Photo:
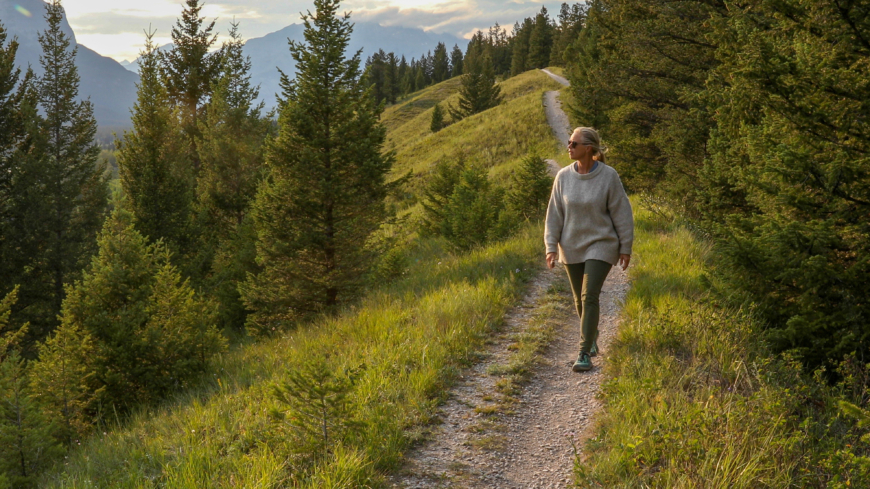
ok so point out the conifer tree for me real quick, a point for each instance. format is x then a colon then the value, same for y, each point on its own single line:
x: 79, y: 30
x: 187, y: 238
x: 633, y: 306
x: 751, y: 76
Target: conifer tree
x: 189, y: 70
x: 12, y: 129
x: 13, y: 143
x: 402, y: 70
x: 325, y: 195
x: 530, y: 188
x: 63, y: 378
x: 520, y: 47
x: 479, y: 91
x: 27, y: 443
x: 440, y: 64
x: 571, y: 20
x: 436, y: 195
x: 392, y: 77
x: 456, y: 61
x: 437, y: 122
x: 73, y: 189
x: 155, y: 173
x: 472, y: 211
x: 232, y: 155
x: 315, y: 408
x: 499, y: 49
x: 420, y: 78
x: 151, y: 333
x: 540, y: 41
x: 584, y: 71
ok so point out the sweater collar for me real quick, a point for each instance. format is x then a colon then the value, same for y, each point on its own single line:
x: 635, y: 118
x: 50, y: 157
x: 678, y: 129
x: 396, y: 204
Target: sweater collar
x: 594, y: 173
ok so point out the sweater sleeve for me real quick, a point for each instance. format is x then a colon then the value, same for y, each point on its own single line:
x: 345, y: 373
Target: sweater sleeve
x: 555, y: 220
x: 620, y: 213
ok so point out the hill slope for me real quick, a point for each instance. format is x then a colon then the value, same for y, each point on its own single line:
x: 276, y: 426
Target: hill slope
x: 498, y: 137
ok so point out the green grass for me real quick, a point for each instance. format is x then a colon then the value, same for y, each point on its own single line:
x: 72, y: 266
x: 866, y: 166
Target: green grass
x: 694, y: 398
x: 497, y: 138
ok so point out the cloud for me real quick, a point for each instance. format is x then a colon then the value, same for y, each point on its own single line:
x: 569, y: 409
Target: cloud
x: 116, y: 27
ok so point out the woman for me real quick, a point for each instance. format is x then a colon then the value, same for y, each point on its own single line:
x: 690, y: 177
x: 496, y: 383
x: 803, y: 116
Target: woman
x: 590, y: 225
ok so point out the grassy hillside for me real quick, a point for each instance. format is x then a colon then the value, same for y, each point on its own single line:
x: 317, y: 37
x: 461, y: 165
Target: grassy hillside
x: 498, y: 137
x: 406, y: 341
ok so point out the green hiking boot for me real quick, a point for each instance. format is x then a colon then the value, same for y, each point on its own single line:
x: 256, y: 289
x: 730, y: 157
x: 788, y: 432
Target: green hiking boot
x: 583, y: 363
x: 594, y: 350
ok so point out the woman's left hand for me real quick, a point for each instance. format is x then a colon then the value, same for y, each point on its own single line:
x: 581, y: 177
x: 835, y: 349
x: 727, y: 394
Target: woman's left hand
x: 623, y: 261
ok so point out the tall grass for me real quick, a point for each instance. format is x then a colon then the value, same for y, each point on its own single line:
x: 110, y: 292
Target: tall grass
x: 694, y: 397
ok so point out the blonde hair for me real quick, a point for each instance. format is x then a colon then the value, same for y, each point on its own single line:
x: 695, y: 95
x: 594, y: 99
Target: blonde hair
x: 590, y: 137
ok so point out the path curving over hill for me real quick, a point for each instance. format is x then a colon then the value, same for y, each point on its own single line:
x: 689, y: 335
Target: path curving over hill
x: 522, y: 436
x: 556, y: 117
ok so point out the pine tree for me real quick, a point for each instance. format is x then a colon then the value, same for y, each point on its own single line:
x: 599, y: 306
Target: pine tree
x: 472, y: 211
x: 155, y: 172
x: 787, y: 183
x: 402, y: 70
x: 584, y: 70
x: 232, y: 155
x: 440, y: 64
x: 151, y: 333
x: 436, y: 195
x: 13, y: 143
x: 520, y: 47
x: 540, y: 41
x: 325, y: 195
x: 420, y: 78
x: 27, y: 444
x: 188, y: 71
x: 479, y: 91
x: 315, y: 409
x: 392, y: 78
x: 499, y: 49
x: 456, y: 61
x: 12, y: 129
x: 571, y: 19
x: 63, y: 377
x: 530, y: 188
x: 437, y: 122
x: 73, y: 188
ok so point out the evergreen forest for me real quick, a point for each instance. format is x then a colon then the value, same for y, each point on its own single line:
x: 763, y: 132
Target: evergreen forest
x: 230, y: 296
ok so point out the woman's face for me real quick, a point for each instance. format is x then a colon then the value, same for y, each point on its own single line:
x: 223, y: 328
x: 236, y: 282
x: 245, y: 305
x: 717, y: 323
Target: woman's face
x: 575, y: 149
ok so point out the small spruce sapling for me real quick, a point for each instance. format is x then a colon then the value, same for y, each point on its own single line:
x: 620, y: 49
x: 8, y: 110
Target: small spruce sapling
x: 315, y: 408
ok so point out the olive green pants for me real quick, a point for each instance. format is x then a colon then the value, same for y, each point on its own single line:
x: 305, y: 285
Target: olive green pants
x: 586, y: 279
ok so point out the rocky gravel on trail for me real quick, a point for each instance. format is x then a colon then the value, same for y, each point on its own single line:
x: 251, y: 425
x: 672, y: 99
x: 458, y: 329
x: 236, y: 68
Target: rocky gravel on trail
x: 533, y: 444
x: 556, y: 117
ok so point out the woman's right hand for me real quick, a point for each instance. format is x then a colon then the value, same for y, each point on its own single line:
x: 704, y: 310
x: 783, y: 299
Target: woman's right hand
x: 551, y: 260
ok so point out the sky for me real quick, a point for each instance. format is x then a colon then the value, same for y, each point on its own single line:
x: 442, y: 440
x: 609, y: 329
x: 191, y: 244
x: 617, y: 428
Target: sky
x: 116, y: 28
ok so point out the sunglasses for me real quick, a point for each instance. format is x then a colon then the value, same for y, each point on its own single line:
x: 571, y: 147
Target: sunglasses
x: 572, y: 144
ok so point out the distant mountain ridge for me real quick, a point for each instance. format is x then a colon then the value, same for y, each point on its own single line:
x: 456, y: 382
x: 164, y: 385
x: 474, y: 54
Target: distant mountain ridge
x: 270, y: 52
x: 110, y: 87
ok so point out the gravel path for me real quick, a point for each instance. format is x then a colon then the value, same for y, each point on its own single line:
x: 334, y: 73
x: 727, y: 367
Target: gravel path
x: 562, y: 80
x: 532, y: 444
x: 532, y: 441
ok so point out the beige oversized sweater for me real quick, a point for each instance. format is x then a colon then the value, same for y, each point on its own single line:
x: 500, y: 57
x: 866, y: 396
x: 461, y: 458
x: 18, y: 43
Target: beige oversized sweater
x: 589, y: 216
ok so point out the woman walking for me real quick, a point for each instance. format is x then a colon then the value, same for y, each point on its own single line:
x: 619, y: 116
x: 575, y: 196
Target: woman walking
x: 591, y: 228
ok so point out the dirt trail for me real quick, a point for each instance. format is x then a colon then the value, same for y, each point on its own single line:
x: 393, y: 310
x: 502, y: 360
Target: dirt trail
x: 483, y: 442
